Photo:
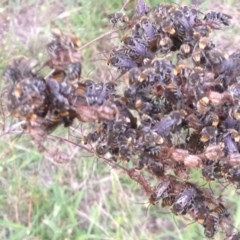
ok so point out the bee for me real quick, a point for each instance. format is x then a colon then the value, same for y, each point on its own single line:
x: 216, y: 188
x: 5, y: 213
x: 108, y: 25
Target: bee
x: 215, y: 58
x: 124, y: 59
x: 161, y: 191
x: 163, y: 11
x: 184, y: 199
x: 117, y: 17
x: 193, y: 142
x: 52, y: 120
x: 211, y: 119
x: 56, y: 117
x: 59, y: 93
x: 214, y: 170
x: 234, y: 112
x: 165, y: 126
x: 208, y: 170
x: 167, y: 26
x: 164, y: 70
x: 194, y: 122
x: 95, y: 93
x: 27, y: 97
x: 200, y: 50
x: 180, y: 170
x: 196, y: 78
x: 157, y: 168
x: 168, y: 201
x: 91, y: 137
x: 158, y: 106
x: 63, y: 50
x: 185, y: 51
x: 74, y: 71
x: 214, y: 19
x: 137, y: 31
x: 230, y: 123
x: 12, y: 75
x: 201, y: 30
x: 153, y: 151
x: 183, y: 27
x: 123, y: 64
x: 137, y: 45
x: 68, y: 40
x: 21, y: 67
x: 233, y: 174
x: 211, y: 224
x: 61, y: 57
x: 102, y: 149
x: 198, y: 58
x: 173, y: 93
x: 125, y: 153
x: 199, y: 210
x: 58, y: 75
x: 142, y: 8
x: 168, y: 123
x: 221, y: 210
x: 203, y: 105
x: 149, y: 32
x: 191, y: 14
x: 230, y: 145
x: 213, y: 219
x: 68, y: 117
x: 145, y: 79
x: 182, y: 74
x: 219, y: 65
x: 208, y: 134
x: 142, y: 105
x: 165, y: 45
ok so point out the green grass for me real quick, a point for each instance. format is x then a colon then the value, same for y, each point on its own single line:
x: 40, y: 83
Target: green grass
x: 82, y: 198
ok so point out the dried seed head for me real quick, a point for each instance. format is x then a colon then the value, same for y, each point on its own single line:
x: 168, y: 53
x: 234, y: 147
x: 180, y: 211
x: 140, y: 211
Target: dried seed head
x: 214, y: 152
x: 192, y: 161
x: 179, y: 154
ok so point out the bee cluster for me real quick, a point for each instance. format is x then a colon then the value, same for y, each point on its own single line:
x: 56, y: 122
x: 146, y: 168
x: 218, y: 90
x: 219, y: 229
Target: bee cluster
x: 47, y: 102
x: 170, y: 117
x: 187, y: 108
